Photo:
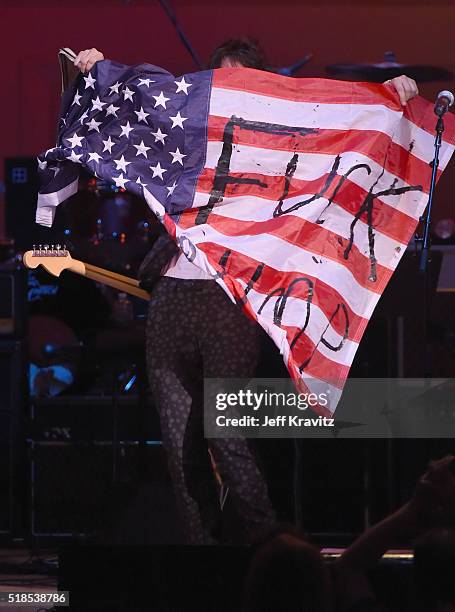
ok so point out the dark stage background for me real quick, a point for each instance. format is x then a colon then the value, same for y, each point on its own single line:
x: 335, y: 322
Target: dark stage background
x: 419, y: 32
x: 133, y: 32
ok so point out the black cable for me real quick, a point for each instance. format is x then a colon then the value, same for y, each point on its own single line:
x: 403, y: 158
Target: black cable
x: 170, y: 13
x: 27, y: 583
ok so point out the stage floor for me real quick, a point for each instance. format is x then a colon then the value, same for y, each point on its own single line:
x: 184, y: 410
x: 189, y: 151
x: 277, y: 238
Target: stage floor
x: 24, y: 570
x: 21, y: 570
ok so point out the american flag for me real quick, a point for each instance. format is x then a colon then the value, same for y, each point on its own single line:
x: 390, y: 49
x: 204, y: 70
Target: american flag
x: 299, y: 196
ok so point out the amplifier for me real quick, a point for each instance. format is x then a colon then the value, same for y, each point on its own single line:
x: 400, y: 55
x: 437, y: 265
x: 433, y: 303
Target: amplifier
x: 21, y: 189
x: 21, y: 193
x: 12, y: 444
x: 13, y: 301
x: 117, y: 494
x: 98, y: 470
x: 85, y: 418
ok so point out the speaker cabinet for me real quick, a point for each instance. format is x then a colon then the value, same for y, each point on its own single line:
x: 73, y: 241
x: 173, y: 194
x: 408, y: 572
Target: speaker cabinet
x: 13, y: 302
x: 98, y: 470
x: 21, y: 189
x: 98, y: 491
x: 12, y: 445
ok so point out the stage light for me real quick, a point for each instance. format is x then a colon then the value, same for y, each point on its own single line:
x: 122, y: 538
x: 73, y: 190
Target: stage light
x: 445, y: 229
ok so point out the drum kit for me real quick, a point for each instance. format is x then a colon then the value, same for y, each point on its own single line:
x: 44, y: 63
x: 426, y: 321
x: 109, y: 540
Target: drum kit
x: 389, y: 68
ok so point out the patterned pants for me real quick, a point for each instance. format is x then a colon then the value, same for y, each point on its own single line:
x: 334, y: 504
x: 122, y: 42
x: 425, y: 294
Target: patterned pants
x: 195, y: 331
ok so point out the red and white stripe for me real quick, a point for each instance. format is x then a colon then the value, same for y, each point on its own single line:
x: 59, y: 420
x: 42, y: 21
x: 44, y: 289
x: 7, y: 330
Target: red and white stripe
x: 365, y: 124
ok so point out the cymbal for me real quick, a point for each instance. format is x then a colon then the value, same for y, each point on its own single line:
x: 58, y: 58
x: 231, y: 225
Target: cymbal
x: 389, y: 69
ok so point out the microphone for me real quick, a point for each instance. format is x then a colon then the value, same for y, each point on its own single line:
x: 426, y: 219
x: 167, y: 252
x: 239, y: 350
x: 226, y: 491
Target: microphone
x: 444, y: 100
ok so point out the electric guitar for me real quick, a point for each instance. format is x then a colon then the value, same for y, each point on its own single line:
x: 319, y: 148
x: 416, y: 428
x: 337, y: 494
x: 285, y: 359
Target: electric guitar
x: 57, y: 259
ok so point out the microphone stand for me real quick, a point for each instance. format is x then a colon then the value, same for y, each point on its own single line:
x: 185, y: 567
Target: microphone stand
x: 426, y: 219
x: 425, y: 241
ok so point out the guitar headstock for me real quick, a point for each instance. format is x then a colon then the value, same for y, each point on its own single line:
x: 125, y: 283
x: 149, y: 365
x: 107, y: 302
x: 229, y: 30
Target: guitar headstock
x: 54, y: 259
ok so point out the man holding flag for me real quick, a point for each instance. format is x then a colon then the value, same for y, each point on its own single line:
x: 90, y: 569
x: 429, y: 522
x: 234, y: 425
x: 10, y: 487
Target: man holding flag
x: 297, y: 196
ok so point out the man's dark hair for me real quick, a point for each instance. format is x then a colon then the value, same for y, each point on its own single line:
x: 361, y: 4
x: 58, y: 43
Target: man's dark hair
x: 241, y: 50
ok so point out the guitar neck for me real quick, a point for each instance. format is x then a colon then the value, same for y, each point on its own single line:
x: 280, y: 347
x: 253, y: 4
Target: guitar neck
x: 56, y: 260
x: 117, y: 281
